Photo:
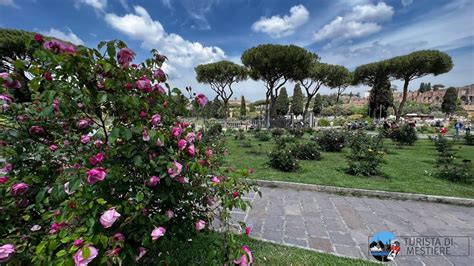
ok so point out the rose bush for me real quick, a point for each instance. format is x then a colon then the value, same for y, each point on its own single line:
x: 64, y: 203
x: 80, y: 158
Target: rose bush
x: 99, y: 167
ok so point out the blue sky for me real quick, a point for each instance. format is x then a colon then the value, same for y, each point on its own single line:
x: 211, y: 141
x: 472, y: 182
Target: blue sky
x: 191, y: 32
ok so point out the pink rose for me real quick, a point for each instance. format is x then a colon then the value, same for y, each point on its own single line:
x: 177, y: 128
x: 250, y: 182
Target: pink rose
x: 78, y: 242
x: 85, y: 139
x: 209, y: 152
x: 159, y: 143
x: 190, y: 137
x: 96, y: 174
x: 96, y: 159
x: 159, y: 75
x: 108, y: 218
x: 176, y: 132
x: 6, y: 252
x: 157, y: 233
x: 143, y: 114
x: 235, y: 194
x: 118, y: 237
x: 154, y: 180
x: 39, y: 38
x: 211, y: 201
x: 158, y: 88
x: 47, y: 76
x: 201, y: 99
x: 182, y: 144
x: 80, y: 261
x: 182, y: 179
x: 199, y: 135
x: 215, y: 180
x: 145, y: 136
x: 155, y: 119
x: 53, y: 147
x: 248, y: 230
x: 169, y: 214
x: 245, y: 259
x: 113, y: 252
x: 3, y: 179
x: 55, y: 227
x: 36, y: 130
x: 191, y: 151
x: 125, y: 56
x: 175, y: 170
x: 144, y: 84
x: 83, y: 123
x: 7, y: 168
x: 56, y: 105
x: 98, y: 143
x: 199, y: 225
x: 160, y: 58
x: 141, y: 253
x: 19, y: 189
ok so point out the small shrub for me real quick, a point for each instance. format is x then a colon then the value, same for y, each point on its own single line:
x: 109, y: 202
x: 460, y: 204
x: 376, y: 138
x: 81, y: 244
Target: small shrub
x: 306, y: 151
x: 281, y: 142
x: 366, y: 154
x: 309, y: 130
x: 246, y: 143
x: 384, y: 132
x: 405, y: 135
x: 214, y: 131
x: 262, y: 136
x: 297, y: 132
x: 469, y: 139
x: 283, y: 160
x: 331, y: 140
x: 445, y: 150
x: 323, y: 122
x: 239, y: 135
x: 278, y: 132
x: 457, y: 173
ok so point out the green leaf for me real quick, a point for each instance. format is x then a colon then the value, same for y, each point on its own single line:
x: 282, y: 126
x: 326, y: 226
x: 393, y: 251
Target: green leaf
x: 26, y: 217
x: 127, y: 134
x: 140, y: 196
x: 61, y: 253
x: 101, y: 201
x: 104, y: 240
x: 86, y: 252
x: 40, y: 247
x: 40, y: 195
x: 137, y: 160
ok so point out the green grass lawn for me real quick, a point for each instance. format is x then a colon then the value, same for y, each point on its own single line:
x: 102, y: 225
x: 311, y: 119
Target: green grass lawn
x: 405, y: 169
x: 264, y: 253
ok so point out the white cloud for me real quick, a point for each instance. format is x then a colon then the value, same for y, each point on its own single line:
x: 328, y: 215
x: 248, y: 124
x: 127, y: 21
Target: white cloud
x: 277, y: 26
x: 8, y: 3
x: 407, y: 2
x: 362, y: 21
x: 66, y: 36
x: 96, y: 4
x: 377, y: 13
x: 140, y: 26
x: 342, y: 30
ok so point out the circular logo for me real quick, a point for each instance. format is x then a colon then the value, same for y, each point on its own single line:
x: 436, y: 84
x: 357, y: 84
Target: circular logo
x: 384, y: 246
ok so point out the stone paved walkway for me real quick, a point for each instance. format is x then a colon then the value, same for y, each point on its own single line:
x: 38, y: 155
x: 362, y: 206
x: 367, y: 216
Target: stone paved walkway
x: 342, y: 224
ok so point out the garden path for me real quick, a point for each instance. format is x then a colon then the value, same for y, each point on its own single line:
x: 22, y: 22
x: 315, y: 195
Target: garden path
x: 342, y: 224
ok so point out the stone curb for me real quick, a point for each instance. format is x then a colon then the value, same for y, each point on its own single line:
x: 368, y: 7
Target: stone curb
x: 312, y: 249
x: 367, y: 193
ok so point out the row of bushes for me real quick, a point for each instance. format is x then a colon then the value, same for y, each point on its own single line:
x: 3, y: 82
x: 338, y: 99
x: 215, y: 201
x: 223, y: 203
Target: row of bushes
x: 448, y: 167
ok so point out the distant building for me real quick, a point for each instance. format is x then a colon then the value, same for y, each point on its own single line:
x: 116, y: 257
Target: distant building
x: 466, y: 94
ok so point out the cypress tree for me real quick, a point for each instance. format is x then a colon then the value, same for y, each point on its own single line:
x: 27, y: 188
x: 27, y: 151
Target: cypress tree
x: 450, y: 101
x: 318, y: 105
x: 282, y: 103
x: 297, y: 101
x: 243, y: 107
